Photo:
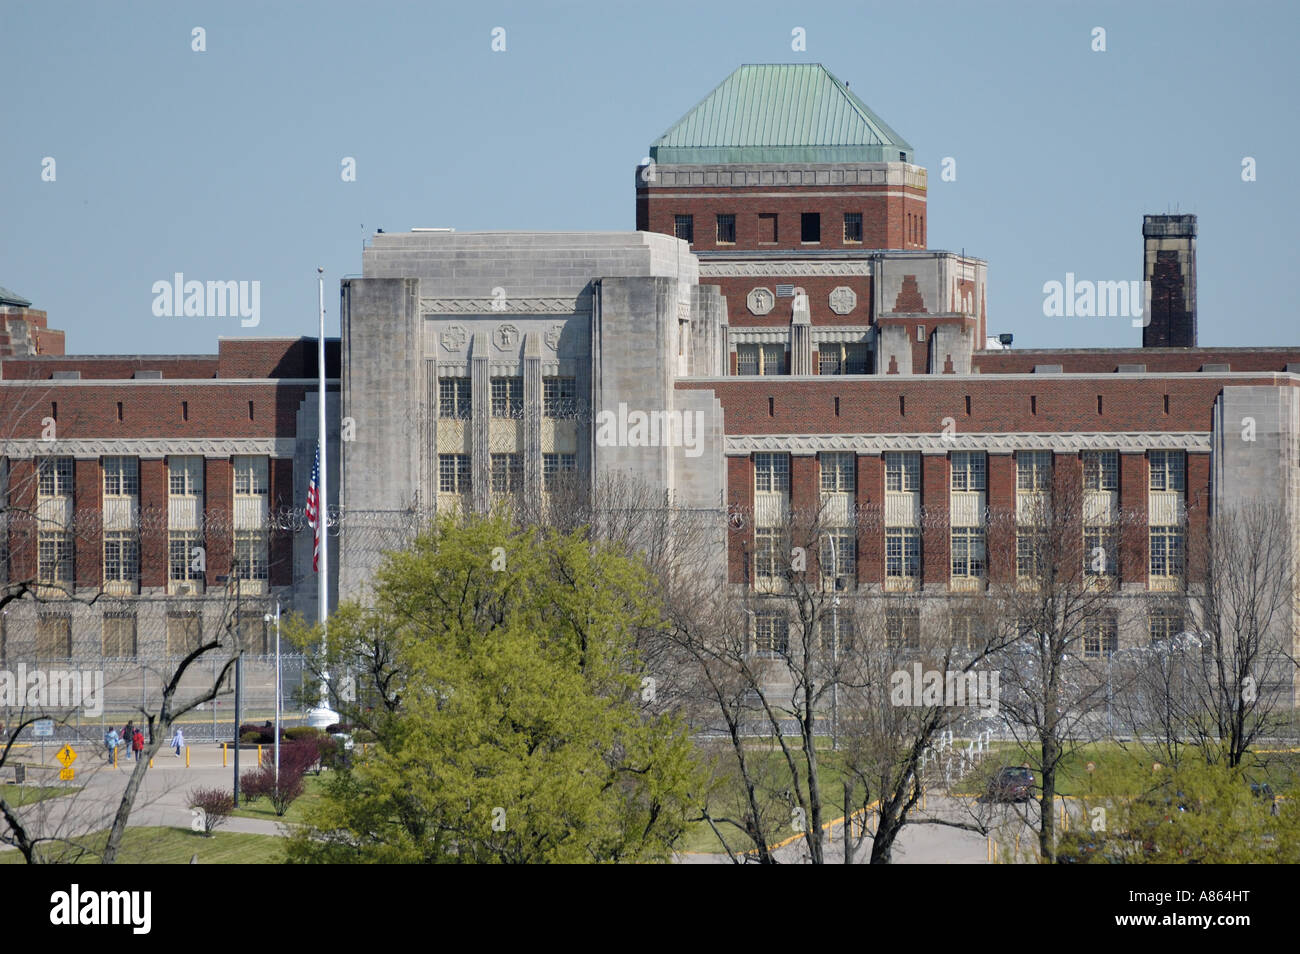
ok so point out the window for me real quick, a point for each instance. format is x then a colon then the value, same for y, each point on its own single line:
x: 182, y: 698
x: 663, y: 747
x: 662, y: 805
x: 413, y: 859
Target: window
x: 184, y: 563
x: 726, y: 230
x: 559, y: 397
x: 771, y: 633
x: 121, y: 477
x: 249, y: 558
x: 684, y: 227
x: 1031, y: 554
x: 454, y: 398
x: 1100, y: 551
x: 55, y: 558
x: 508, y: 397
x: 1100, y: 470
x: 903, y: 471
x: 252, y: 633
x: 767, y: 227
x: 250, y: 476
x: 554, y: 469
x: 772, y: 473
x: 773, y: 358
x: 1033, y: 471
x: 837, y: 472
x: 842, y: 359
x: 185, y: 476
x: 53, y: 638
x: 119, y: 635
x: 853, y: 227
x: 769, y: 562
x: 967, y: 552
x: 121, y: 556
x: 1166, y: 551
x: 55, y: 477
x: 507, y: 473
x: 1101, y: 637
x: 839, y: 556
x: 747, y: 359
x: 969, y: 632
x: 839, y: 630
x: 902, y: 628
x: 968, y: 471
x: 903, y: 553
x: 810, y: 227
x: 1164, y: 625
x: 184, y: 633
x: 1168, y: 470
x: 454, y: 474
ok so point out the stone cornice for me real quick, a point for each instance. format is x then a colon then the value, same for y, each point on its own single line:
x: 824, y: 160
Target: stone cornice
x: 491, y: 307
x: 1195, y: 442
x: 150, y: 447
x: 781, y: 269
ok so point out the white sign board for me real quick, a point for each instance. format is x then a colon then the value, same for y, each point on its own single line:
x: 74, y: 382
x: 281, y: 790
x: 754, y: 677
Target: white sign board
x: 43, y: 728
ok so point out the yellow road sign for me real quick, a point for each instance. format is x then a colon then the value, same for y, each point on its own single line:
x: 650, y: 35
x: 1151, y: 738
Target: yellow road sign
x: 66, y: 755
x: 66, y: 774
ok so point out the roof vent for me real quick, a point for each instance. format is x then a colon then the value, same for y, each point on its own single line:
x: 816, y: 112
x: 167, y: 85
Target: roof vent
x: 66, y: 376
x: 1131, y: 369
x: 1217, y: 368
x: 147, y: 375
x: 1047, y: 369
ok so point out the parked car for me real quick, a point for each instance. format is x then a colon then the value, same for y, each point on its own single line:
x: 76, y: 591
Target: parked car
x: 1012, y: 783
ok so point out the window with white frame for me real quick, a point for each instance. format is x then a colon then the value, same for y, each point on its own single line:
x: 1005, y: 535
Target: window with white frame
x: 507, y: 473
x: 250, y: 476
x: 55, y: 558
x: 184, y: 561
x: 839, y: 554
x: 557, y: 469
x: 250, y: 556
x: 1101, y: 470
x: 771, y: 633
x: 1167, y: 548
x: 839, y: 630
x: 969, y: 631
x: 454, y: 474
x: 773, y: 359
x: 1101, y: 636
x: 1033, y: 471
x: 842, y: 358
x: 508, y: 397
x: 121, y: 556
x: 772, y: 473
x: 1164, y: 625
x: 1031, y: 554
x: 903, y: 471
x: 185, y: 476
x: 902, y: 628
x: 769, y: 553
x: 837, y: 472
x: 968, y: 552
x: 54, y: 477
x: 903, y: 553
x: 121, y: 477
x: 968, y: 470
x: 1168, y: 470
x: 559, y: 397
x: 747, y: 360
x: 454, y: 398
x: 119, y: 635
x: 1100, y: 551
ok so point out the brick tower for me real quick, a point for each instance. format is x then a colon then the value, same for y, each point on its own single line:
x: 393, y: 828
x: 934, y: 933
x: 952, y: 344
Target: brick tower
x: 1169, y: 264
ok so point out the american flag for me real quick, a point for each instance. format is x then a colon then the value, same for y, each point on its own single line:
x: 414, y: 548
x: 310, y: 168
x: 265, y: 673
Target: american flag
x: 313, y: 511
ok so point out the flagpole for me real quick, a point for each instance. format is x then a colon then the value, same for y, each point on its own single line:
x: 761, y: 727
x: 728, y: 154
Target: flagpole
x: 323, y: 716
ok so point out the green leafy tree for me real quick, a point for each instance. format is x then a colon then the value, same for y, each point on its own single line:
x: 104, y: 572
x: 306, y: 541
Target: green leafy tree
x: 495, y: 665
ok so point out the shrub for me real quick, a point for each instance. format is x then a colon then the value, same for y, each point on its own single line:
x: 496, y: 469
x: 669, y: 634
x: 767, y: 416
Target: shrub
x: 302, y: 732
x: 249, y: 738
x: 295, y: 759
x: 216, y: 804
x: 338, y: 727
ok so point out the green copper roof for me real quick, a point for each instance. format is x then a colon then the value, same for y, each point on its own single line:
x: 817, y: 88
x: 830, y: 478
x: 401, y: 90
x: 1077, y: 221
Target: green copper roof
x: 11, y: 298
x: 780, y: 112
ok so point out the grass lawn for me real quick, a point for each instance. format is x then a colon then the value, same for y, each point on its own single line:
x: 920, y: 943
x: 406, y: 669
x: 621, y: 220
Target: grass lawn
x: 314, y: 786
x: 172, y: 846
x: 27, y: 794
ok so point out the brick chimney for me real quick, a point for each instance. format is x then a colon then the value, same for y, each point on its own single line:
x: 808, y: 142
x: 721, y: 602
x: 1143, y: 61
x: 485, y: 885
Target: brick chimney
x: 1169, y: 264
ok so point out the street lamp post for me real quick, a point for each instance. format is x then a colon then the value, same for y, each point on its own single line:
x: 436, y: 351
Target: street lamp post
x: 267, y: 618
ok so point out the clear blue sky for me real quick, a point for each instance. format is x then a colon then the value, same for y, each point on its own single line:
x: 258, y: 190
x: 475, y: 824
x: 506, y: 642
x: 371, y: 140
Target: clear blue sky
x: 225, y: 164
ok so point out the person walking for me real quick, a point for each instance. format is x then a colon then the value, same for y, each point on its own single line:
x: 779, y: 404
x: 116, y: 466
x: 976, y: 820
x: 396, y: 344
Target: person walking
x: 178, y: 741
x: 137, y: 744
x: 111, y: 741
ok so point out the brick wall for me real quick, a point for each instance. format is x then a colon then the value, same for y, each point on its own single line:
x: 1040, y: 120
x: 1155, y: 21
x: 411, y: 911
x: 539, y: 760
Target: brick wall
x: 935, y: 540
x: 818, y: 289
x: 1106, y: 361
x: 219, y: 487
x: 884, y: 217
x: 281, y: 543
x: 153, y: 535
x: 740, y: 496
x: 1133, y: 486
x: 88, y: 482
x: 871, y: 534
